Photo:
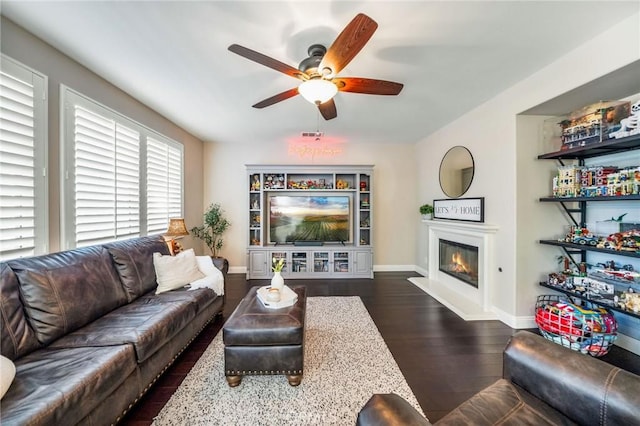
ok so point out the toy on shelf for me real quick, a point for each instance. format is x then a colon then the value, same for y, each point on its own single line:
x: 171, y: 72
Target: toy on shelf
x: 273, y: 181
x: 567, y: 183
x: 585, y: 329
x: 593, y: 123
x: 309, y: 184
x: 255, y: 183
x: 630, y: 125
x: 629, y: 300
x: 614, y: 271
x: 582, y: 236
x: 342, y: 184
x: 625, y: 241
x: 596, y: 181
x: 620, y: 241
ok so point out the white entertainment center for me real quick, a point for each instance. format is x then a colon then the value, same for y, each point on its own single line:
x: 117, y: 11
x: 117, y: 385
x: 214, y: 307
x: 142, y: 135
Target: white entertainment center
x: 318, y: 218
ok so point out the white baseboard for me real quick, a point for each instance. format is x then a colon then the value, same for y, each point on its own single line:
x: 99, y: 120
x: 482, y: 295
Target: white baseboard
x: 515, y: 321
x: 422, y: 271
x: 393, y: 268
x: 238, y: 270
x: 628, y: 343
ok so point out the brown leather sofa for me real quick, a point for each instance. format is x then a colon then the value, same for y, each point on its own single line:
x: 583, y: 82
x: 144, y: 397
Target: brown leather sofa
x: 543, y: 384
x: 88, y: 334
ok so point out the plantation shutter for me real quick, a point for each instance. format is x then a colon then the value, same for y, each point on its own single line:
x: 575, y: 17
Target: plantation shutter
x: 23, y: 214
x: 107, y: 187
x: 122, y: 179
x: 164, y: 184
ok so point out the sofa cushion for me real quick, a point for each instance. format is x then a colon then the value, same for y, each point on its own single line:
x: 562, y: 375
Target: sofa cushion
x: 173, y: 272
x: 61, y: 386
x: 147, y: 324
x: 18, y: 338
x: 64, y: 291
x: 504, y: 404
x: 134, y: 262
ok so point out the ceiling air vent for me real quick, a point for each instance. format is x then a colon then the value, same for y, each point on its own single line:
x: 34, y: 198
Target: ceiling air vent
x: 312, y: 134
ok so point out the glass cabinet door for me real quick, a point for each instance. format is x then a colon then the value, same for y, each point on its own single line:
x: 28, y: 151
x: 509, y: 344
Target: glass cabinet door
x: 320, y: 261
x: 277, y: 255
x: 341, y: 262
x: 298, y: 262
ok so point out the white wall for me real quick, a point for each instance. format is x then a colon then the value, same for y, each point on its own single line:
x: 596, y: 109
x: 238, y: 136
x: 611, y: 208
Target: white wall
x: 508, y: 174
x: 395, y: 210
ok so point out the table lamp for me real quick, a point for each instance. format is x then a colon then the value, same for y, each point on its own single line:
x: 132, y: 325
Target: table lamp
x: 177, y: 229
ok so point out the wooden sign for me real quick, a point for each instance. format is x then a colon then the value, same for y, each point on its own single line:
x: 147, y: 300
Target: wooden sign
x: 468, y: 209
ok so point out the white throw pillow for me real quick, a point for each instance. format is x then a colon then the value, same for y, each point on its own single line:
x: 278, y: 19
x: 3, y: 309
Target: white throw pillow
x: 7, y: 373
x: 173, y: 272
x: 213, y: 276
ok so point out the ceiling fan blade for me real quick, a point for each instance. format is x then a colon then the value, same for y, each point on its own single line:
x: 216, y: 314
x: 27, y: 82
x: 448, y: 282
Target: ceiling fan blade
x: 328, y: 109
x: 277, y: 98
x: 347, y: 45
x: 367, y: 85
x: 268, y: 61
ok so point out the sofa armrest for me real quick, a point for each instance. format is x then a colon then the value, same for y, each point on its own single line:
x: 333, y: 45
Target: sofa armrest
x: 389, y: 409
x: 221, y: 263
x: 579, y: 386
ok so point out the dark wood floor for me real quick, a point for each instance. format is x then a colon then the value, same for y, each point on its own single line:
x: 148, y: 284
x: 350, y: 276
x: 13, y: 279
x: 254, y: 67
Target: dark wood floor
x: 444, y: 359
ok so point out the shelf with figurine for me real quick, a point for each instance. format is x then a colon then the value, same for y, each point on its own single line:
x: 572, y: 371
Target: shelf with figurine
x: 610, y: 284
x: 595, y: 198
x: 624, y: 243
x: 599, y: 129
x: 596, y: 182
x: 610, y: 146
x: 633, y: 299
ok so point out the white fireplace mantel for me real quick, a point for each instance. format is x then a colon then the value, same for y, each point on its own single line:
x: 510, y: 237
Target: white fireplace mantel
x: 468, y: 302
x: 461, y: 226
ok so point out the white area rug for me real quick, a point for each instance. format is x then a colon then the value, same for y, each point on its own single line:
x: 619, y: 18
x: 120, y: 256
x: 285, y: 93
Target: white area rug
x: 346, y: 361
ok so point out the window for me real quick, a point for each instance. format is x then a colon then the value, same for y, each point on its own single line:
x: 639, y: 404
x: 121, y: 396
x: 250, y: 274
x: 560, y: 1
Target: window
x: 23, y: 159
x: 164, y: 184
x: 111, y: 162
x: 107, y: 182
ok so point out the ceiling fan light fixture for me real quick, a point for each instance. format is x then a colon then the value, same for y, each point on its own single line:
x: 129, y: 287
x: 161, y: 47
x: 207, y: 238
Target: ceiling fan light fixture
x: 317, y: 91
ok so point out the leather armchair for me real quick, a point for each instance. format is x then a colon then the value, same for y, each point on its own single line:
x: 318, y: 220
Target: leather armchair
x: 543, y: 383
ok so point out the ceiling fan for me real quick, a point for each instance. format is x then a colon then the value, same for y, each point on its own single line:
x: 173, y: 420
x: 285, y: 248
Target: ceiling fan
x: 318, y: 71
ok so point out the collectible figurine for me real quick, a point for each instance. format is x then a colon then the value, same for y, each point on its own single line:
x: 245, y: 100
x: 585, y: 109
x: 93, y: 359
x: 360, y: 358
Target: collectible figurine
x: 630, y: 125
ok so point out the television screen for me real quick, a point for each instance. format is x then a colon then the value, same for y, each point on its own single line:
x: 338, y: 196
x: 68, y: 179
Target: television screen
x: 309, y: 218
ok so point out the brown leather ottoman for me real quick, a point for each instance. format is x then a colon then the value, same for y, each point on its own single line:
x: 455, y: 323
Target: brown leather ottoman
x: 259, y: 340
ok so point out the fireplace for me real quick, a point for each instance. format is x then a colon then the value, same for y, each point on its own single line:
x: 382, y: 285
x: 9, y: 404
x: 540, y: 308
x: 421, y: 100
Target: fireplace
x: 459, y: 261
x: 469, y: 289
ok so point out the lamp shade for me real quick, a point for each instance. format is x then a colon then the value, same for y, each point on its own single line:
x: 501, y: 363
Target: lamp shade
x: 177, y: 228
x: 317, y: 91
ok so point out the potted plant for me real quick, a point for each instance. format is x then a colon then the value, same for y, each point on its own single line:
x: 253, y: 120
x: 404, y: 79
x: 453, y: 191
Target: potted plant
x: 215, y: 224
x: 426, y: 210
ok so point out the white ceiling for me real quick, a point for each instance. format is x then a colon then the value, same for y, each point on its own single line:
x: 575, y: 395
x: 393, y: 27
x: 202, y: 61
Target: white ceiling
x: 450, y: 55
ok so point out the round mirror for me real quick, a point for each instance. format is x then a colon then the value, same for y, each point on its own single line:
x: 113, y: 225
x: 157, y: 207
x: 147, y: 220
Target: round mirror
x: 456, y: 171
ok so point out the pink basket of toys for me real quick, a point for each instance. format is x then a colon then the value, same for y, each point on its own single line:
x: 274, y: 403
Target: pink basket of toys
x: 588, y: 329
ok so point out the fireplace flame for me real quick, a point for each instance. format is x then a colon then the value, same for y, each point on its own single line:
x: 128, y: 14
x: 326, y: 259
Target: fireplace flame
x: 457, y: 264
